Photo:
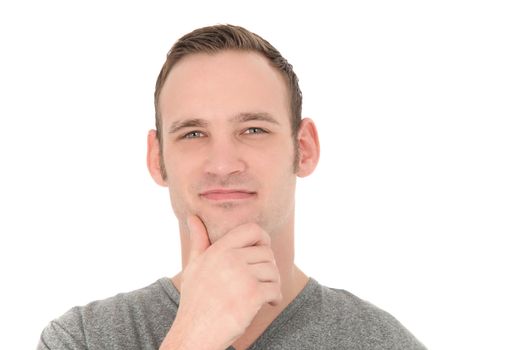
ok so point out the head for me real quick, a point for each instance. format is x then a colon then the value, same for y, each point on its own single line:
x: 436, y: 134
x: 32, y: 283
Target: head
x: 219, y: 38
x: 228, y: 117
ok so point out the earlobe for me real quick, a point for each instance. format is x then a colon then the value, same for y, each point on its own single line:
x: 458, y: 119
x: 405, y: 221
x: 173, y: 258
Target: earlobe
x: 309, y: 148
x: 153, y: 159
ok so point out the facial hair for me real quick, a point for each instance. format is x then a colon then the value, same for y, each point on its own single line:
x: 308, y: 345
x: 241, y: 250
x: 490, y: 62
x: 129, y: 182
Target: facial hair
x: 222, y: 218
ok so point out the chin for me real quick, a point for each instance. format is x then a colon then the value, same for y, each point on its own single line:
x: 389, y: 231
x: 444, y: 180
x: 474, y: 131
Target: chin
x: 219, y: 224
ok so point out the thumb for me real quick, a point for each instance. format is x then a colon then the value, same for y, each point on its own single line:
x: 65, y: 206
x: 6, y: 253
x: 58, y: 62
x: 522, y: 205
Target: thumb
x: 199, y: 240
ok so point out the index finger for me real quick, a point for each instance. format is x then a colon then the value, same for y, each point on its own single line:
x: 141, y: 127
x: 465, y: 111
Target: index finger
x: 245, y: 235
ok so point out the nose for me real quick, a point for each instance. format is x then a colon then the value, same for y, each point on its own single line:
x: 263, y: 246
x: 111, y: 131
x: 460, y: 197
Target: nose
x: 224, y: 158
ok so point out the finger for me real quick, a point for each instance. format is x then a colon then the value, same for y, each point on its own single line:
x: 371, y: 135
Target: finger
x: 270, y: 293
x: 257, y: 254
x: 199, y: 240
x: 245, y: 235
x: 265, y: 272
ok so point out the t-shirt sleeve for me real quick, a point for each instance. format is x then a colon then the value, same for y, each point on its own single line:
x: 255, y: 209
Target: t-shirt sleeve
x: 385, y: 331
x: 64, y: 333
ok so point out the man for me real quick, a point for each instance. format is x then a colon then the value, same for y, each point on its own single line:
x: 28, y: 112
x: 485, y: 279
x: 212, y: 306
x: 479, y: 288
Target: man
x: 229, y: 144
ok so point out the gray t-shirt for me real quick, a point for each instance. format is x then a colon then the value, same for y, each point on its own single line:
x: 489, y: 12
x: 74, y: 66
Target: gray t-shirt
x: 318, y: 318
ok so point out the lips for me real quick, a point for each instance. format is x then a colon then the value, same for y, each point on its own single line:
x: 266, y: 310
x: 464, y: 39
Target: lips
x: 227, y: 194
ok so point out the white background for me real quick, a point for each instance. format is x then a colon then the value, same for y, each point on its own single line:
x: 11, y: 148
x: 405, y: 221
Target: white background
x: 418, y: 203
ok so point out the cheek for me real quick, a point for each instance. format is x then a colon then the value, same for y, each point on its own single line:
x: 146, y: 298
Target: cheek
x: 179, y: 164
x: 180, y: 174
x: 276, y: 173
x: 280, y: 157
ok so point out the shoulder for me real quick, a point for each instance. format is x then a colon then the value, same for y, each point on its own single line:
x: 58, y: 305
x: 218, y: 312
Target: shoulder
x: 107, y: 319
x: 355, y: 320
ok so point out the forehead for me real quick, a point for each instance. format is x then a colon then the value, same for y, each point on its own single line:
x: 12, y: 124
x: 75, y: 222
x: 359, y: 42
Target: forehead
x: 217, y: 86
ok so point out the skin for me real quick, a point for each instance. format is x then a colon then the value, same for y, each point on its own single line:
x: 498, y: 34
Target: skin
x: 226, y: 127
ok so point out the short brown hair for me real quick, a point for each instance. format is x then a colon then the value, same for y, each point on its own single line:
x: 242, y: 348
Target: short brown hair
x: 217, y: 38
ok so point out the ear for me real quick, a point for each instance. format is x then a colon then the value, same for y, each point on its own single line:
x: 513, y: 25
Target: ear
x: 309, y: 149
x: 153, y: 159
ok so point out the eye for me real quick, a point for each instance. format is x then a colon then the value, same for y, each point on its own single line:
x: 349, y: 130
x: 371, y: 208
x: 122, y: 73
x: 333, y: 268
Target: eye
x: 193, y: 135
x: 255, y: 131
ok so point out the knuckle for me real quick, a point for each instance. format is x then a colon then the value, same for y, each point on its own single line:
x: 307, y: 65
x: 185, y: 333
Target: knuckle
x: 269, y: 254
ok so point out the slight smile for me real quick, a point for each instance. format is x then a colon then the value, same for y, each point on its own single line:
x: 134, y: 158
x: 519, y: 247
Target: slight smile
x: 227, y: 194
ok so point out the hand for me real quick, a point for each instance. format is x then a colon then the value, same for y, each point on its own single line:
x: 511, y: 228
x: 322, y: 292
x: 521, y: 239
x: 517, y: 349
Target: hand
x: 223, y: 286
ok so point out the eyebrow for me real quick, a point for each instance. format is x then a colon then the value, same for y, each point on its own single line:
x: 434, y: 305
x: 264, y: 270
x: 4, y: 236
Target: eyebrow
x: 187, y: 123
x: 247, y: 117
x: 240, y: 118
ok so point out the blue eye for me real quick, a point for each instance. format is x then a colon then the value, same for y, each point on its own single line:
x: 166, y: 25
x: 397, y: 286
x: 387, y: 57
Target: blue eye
x: 255, y: 131
x: 193, y: 135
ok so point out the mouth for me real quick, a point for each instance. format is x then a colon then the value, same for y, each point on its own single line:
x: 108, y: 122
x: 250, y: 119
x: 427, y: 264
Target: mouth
x: 227, y: 194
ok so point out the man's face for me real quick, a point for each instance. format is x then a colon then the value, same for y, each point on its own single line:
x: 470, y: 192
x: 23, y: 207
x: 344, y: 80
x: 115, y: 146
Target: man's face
x: 227, y: 144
